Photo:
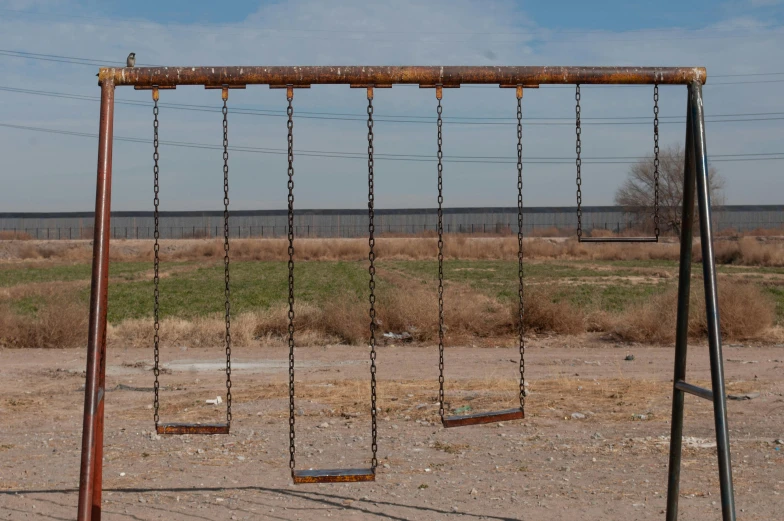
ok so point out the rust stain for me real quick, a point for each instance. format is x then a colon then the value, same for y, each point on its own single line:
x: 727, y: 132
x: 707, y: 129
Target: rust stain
x: 192, y: 428
x: 481, y: 418
x: 301, y: 477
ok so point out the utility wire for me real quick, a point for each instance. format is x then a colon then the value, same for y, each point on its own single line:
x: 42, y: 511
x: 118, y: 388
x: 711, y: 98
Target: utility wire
x: 469, y: 120
x: 621, y: 160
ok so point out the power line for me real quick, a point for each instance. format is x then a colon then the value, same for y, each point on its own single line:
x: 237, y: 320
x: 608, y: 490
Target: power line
x: 469, y: 120
x: 604, y: 160
x: 61, y: 59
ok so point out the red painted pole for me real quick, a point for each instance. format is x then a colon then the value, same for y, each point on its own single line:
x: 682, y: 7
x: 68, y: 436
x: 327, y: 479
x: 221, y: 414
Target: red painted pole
x: 90, y: 477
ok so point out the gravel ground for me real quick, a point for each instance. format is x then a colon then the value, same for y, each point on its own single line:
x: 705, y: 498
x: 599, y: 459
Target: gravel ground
x: 609, y: 461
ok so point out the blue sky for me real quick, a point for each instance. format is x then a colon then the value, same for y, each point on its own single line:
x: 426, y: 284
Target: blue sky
x: 616, y: 15
x: 48, y: 172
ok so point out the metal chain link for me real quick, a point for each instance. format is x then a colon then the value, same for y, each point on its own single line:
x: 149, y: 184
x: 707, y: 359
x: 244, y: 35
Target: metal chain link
x: 226, y: 252
x: 521, y: 274
x: 372, y: 284
x: 156, y: 262
x: 656, y: 159
x: 440, y: 263
x: 290, y: 126
x: 578, y: 162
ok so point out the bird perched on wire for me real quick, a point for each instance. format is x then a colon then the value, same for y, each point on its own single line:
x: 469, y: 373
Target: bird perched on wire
x: 131, y: 61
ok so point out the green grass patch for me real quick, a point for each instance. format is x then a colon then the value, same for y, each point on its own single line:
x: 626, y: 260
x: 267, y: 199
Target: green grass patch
x: 500, y: 279
x: 28, y: 306
x: 15, y: 275
x: 777, y: 293
x: 612, y: 298
x: 191, y: 289
x: 254, y: 285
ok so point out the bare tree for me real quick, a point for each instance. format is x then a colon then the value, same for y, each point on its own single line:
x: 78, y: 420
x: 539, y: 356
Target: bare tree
x: 636, y: 193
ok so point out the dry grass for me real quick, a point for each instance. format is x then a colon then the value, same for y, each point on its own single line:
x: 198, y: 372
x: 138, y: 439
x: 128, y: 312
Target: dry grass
x: 618, y: 399
x: 406, y: 306
x: 746, y: 313
x: 411, y: 309
x: 749, y: 251
x: 58, y: 322
x: 746, y: 250
x: 552, y: 231
x: 756, y: 232
x: 11, y: 235
x: 542, y: 315
x: 176, y: 332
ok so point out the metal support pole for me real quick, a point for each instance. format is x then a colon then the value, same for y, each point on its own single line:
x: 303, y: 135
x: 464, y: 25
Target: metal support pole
x: 682, y: 327
x: 712, y: 304
x: 90, y: 477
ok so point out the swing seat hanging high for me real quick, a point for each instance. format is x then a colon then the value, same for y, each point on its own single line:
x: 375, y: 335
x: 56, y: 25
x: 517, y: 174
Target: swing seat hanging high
x: 578, y: 162
x: 192, y: 428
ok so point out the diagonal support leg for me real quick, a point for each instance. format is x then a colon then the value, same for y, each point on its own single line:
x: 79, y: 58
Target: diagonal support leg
x: 712, y: 305
x: 682, y: 327
x: 696, y: 173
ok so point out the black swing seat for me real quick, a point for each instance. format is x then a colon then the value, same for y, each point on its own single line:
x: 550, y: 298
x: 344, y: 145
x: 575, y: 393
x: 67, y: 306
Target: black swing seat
x: 618, y: 239
x: 332, y: 476
x: 483, y: 417
x: 192, y: 428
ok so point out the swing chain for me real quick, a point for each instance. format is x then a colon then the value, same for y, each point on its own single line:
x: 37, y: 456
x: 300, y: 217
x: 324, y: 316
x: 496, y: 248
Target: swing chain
x: 656, y: 159
x: 226, y: 251
x: 521, y: 273
x: 372, y: 283
x: 156, y: 262
x: 440, y: 262
x: 290, y: 126
x: 578, y: 162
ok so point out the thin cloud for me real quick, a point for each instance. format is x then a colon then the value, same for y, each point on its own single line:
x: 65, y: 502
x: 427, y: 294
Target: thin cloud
x: 312, y: 32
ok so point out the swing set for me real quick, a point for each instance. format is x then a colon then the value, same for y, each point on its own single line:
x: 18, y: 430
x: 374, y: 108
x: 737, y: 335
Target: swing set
x: 371, y: 78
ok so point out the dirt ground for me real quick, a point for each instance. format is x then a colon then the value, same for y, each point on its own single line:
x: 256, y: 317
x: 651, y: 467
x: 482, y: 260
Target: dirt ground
x: 611, y: 464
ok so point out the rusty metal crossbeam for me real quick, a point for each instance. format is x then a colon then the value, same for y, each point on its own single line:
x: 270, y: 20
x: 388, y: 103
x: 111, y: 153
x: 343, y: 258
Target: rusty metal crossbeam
x: 398, y: 75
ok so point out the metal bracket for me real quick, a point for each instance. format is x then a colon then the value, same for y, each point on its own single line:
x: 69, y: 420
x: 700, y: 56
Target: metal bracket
x: 520, y: 87
x: 289, y: 88
x: 224, y: 88
x: 153, y: 87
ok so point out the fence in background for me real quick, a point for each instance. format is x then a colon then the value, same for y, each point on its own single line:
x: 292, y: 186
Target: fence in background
x: 543, y: 221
